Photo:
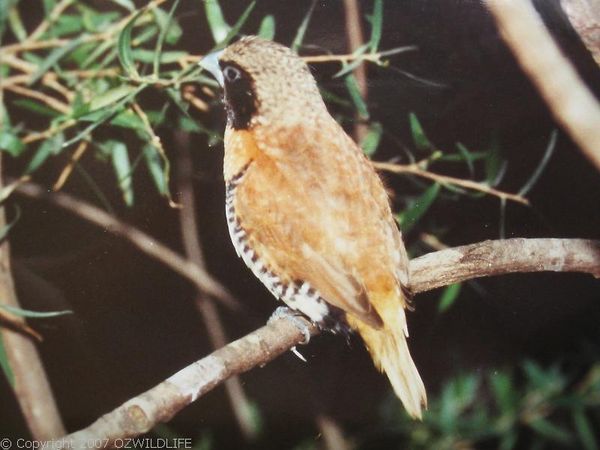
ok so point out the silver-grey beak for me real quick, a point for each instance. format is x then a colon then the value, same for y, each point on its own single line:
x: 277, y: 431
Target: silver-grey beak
x: 211, y: 63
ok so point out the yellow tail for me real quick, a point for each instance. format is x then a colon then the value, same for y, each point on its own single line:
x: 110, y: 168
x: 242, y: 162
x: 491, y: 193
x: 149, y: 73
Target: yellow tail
x: 389, y: 350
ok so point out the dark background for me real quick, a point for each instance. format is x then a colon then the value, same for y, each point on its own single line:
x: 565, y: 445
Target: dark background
x: 134, y: 322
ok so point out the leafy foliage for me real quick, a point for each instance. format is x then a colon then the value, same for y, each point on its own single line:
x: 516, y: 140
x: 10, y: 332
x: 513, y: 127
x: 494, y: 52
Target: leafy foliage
x: 538, y: 407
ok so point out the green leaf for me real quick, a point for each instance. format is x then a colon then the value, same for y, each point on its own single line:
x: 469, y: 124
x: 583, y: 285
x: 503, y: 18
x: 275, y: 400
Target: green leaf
x: 155, y: 167
x: 551, y: 431
x: 216, y: 22
x: 505, y: 395
x: 124, y: 47
x: 102, y: 115
x: 171, y: 28
x: 10, y: 143
x: 467, y: 156
x: 267, y: 27
x: 33, y: 314
x: 36, y: 107
x: 584, y: 429
x: 127, y: 4
x: 122, y: 166
x: 419, y: 137
x: 54, y: 56
x: 376, y: 20
x: 6, y: 228
x: 149, y: 56
x: 161, y: 37
x: 347, y: 68
x: 67, y: 24
x: 237, y: 26
x: 493, y: 164
x: 14, y: 20
x: 448, y: 297
x: 372, y: 139
x: 128, y: 119
x: 108, y: 98
x: 51, y: 146
x: 508, y: 440
x: 297, y: 42
x: 541, y: 166
x: 409, y: 218
x: 5, y: 365
x: 354, y: 91
x: 95, y: 21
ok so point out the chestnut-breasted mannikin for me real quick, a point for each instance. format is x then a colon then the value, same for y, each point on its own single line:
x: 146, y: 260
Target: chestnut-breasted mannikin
x: 307, y: 212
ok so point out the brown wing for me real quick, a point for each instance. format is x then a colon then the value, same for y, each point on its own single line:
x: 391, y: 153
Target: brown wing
x: 315, y: 211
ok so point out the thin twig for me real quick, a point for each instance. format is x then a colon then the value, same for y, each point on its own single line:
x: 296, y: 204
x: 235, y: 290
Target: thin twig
x: 159, y: 404
x: 136, y: 237
x: 416, y: 169
x: 355, y: 36
x: 50, y: 101
x: 157, y: 144
x: 210, y: 315
x: 66, y: 172
x: 568, y: 98
x: 58, y: 9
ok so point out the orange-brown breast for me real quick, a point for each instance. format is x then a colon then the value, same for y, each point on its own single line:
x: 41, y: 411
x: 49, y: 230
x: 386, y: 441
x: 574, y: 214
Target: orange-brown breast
x: 314, y: 210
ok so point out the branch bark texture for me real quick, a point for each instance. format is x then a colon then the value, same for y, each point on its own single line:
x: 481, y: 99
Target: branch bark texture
x: 584, y: 16
x: 568, y: 98
x: 433, y: 270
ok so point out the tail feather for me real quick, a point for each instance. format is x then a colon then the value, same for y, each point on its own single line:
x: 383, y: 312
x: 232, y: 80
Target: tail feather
x: 389, y: 349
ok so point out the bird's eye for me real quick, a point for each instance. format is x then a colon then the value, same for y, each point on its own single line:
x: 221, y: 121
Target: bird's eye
x: 231, y: 74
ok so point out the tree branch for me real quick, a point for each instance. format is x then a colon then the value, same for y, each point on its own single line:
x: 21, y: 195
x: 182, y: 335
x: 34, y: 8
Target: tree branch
x: 568, y: 98
x: 31, y: 386
x: 163, y: 401
x: 143, y: 242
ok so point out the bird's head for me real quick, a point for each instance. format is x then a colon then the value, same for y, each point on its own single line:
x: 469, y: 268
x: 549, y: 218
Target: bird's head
x: 264, y: 82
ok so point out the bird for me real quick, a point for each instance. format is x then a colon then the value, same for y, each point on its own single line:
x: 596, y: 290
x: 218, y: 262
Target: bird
x: 306, y: 210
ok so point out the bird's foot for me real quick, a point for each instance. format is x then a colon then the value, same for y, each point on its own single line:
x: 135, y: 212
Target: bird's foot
x: 283, y: 312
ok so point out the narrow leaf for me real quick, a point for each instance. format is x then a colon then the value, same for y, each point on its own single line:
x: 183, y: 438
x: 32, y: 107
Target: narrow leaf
x: 10, y: 143
x: 449, y: 295
x: 541, y: 166
x: 5, y: 365
x: 47, y: 148
x: 409, y: 218
x: 551, y: 431
x: 372, y: 139
x: 122, y: 166
x: 267, y: 27
x: 154, y: 164
x: 419, y: 137
x: 216, y: 22
x: 376, y: 20
x: 585, y: 430
x: 54, y: 57
x: 161, y: 38
x: 109, y: 97
x: 297, y: 42
x: 354, y: 91
x: 33, y: 314
x: 6, y: 228
x: 124, y: 47
x: 237, y: 26
x: 467, y: 156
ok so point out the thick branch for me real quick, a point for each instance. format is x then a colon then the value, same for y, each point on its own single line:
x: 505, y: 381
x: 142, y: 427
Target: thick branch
x: 584, y: 16
x: 491, y: 258
x: 31, y: 386
x: 162, y: 402
x: 569, y: 99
